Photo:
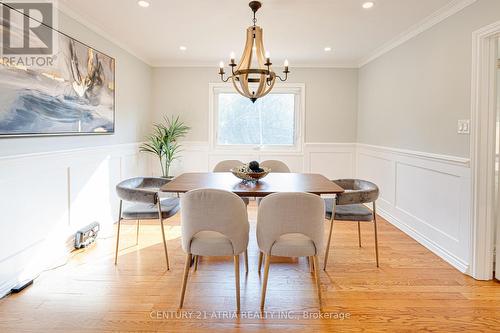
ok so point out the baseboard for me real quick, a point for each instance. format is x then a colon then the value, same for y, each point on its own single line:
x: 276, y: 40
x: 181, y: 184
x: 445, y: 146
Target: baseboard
x: 423, y: 240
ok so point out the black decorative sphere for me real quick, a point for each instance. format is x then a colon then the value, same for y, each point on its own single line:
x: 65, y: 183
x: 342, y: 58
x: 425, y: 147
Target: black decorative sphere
x: 254, y: 166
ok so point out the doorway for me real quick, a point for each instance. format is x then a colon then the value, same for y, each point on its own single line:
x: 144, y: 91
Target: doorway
x: 485, y: 148
x: 497, y: 165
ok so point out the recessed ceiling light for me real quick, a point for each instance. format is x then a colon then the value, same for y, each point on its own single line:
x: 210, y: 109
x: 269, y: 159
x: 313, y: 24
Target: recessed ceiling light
x: 327, y: 49
x: 182, y: 48
x: 368, y: 4
x: 143, y: 3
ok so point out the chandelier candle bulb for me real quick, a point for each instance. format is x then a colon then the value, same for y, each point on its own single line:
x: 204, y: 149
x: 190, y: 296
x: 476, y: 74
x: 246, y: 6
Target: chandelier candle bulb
x: 221, y: 68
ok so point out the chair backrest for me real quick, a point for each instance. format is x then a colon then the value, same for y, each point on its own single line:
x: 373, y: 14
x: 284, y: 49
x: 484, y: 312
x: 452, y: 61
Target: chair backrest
x: 275, y: 166
x: 285, y: 213
x: 227, y: 165
x: 140, y: 189
x: 214, y: 210
x: 357, y: 191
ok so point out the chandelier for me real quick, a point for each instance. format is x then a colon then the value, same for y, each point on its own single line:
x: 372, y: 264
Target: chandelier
x: 253, y: 79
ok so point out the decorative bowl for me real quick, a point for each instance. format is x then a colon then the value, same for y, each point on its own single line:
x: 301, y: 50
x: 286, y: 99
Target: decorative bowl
x: 244, y: 173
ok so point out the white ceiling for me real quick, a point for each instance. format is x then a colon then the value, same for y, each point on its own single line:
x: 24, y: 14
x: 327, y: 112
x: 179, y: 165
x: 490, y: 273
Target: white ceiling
x: 294, y: 29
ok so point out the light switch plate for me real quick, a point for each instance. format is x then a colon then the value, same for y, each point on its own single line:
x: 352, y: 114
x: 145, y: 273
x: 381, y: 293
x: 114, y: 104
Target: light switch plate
x: 463, y: 126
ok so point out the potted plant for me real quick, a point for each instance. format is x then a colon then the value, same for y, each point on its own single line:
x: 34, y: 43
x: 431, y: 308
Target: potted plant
x: 164, y: 142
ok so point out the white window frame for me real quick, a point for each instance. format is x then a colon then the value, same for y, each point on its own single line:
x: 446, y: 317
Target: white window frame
x: 298, y: 89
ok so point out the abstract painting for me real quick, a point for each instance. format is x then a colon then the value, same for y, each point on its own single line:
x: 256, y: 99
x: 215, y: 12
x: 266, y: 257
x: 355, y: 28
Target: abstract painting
x: 70, y: 92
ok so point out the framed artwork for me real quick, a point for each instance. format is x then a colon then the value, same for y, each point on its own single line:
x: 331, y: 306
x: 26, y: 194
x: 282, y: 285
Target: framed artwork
x: 68, y: 92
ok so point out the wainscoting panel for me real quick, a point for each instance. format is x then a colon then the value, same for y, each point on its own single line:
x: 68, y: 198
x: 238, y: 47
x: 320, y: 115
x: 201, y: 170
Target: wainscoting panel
x: 46, y: 197
x: 26, y: 216
x: 425, y: 195
x: 381, y: 170
x: 334, y: 160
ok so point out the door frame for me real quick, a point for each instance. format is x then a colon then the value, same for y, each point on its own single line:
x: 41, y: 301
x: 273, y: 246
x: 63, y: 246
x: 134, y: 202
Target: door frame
x: 482, y: 150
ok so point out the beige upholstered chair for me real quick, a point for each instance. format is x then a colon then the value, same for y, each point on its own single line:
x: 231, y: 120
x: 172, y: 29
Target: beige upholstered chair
x: 213, y: 223
x: 290, y: 225
x: 275, y: 166
x: 349, y: 206
x: 227, y: 165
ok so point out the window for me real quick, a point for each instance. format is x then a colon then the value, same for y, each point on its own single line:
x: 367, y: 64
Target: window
x: 271, y: 123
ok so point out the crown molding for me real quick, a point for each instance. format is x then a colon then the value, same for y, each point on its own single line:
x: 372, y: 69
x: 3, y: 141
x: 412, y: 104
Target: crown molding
x: 82, y: 20
x: 161, y: 64
x: 424, y: 25
x: 430, y: 21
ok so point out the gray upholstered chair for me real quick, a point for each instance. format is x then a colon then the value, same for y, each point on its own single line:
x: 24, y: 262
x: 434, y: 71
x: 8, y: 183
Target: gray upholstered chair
x: 349, y: 206
x: 143, y: 192
x: 213, y: 223
x: 275, y: 166
x: 290, y: 225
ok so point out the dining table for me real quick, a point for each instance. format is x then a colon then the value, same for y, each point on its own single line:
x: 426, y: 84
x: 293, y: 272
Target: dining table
x: 272, y: 183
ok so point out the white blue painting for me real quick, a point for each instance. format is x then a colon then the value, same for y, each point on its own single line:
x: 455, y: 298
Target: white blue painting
x: 72, y: 94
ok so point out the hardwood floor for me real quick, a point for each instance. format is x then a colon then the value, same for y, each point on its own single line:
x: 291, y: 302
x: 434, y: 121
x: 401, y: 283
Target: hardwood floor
x: 413, y: 290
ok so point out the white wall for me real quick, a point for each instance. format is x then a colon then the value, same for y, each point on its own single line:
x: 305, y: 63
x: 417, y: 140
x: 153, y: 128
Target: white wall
x: 412, y: 97
x: 334, y: 160
x: 133, y: 98
x: 409, y: 102
x: 331, y: 100
x: 52, y: 186
x: 409, y: 98
x: 330, y: 119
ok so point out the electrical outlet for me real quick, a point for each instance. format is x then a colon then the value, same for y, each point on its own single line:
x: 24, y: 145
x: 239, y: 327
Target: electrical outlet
x: 463, y: 126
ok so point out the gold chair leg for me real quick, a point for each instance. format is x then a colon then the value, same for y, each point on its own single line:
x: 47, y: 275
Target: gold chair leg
x: 137, y: 233
x: 264, y: 283
x: 316, y: 276
x: 328, y: 245
x: 261, y: 255
x: 375, y: 229
x: 118, y: 231
x: 163, y: 233
x: 246, y: 261
x: 311, y: 264
x: 185, y: 278
x: 237, y: 281
x: 359, y: 233
x: 329, y: 235
x: 196, y: 258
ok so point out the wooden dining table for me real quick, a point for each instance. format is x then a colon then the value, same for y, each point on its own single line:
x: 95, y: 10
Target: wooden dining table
x: 272, y: 183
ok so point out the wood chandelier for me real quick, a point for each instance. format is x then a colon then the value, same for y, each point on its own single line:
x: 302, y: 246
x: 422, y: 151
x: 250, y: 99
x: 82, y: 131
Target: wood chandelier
x: 253, y: 82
